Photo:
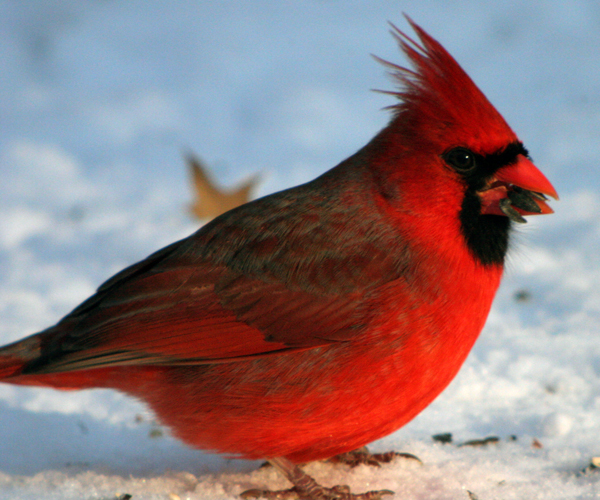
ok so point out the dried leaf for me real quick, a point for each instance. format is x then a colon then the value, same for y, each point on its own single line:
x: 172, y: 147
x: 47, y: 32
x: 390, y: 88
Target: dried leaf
x: 481, y: 442
x: 210, y: 200
x: 536, y: 444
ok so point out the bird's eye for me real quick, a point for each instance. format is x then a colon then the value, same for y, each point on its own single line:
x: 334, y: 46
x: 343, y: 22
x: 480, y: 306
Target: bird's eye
x: 461, y: 159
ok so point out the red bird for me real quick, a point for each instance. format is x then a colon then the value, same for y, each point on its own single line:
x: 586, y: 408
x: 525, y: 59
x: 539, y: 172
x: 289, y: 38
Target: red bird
x: 315, y: 320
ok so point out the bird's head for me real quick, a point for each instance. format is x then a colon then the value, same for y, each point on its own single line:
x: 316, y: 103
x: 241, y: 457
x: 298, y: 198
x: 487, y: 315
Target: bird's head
x: 448, y: 141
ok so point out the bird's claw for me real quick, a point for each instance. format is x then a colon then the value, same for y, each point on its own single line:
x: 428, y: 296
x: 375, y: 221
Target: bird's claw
x: 339, y: 492
x: 306, y: 488
x: 364, y: 456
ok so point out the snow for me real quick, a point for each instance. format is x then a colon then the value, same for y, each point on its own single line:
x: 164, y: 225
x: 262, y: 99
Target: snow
x: 100, y: 99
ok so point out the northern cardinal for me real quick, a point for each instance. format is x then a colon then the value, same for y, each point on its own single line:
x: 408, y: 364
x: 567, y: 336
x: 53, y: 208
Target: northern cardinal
x: 315, y: 320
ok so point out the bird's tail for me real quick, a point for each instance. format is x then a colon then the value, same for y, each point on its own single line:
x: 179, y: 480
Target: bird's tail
x: 14, y: 357
x: 17, y: 366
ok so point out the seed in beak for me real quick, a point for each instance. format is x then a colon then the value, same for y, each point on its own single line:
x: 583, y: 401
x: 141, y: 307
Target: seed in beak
x: 510, y: 212
x: 523, y: 199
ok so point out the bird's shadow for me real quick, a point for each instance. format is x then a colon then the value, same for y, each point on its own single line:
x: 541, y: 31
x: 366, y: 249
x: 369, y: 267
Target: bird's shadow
x: 38, y: 441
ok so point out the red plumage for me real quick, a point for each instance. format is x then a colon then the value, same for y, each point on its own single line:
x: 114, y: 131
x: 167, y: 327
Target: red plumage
x: 315, y: 320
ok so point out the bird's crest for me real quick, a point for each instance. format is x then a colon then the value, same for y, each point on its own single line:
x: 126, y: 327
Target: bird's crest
x: 439, y: 95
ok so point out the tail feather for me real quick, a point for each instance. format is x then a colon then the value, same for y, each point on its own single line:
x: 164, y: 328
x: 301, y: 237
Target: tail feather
x: 10, y: 367
x: 14, y: 357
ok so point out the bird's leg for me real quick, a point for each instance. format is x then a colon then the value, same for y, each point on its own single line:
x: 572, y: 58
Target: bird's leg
x: 364, y: 456
x: 306, y: 488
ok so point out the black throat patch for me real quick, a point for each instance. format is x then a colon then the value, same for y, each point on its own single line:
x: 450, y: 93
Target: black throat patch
x: 487, y: 236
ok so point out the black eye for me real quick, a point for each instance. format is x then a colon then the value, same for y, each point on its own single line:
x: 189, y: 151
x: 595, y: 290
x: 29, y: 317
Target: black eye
x: 461, y: 159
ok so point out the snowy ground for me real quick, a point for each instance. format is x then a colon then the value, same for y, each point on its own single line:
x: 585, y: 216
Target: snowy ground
x: 98, y: 101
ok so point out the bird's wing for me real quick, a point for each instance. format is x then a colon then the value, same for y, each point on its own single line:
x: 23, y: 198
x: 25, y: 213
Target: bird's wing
x: 244, y: 286
x: 167, y: 312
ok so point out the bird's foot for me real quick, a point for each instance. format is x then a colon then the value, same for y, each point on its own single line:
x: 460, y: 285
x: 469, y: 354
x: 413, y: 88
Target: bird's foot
x: 364, y: 456
x: 339, y: 492
x: 306, y: 488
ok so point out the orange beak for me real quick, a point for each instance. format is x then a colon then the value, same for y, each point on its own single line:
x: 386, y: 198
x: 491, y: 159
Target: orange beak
x: 516, y: 190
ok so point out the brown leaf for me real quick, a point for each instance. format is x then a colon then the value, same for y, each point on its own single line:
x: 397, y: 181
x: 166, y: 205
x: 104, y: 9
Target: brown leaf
x: 211, y: 200
x: 536, y: 444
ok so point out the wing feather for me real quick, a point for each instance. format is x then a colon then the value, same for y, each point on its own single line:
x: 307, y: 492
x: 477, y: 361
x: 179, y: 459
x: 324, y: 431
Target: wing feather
x: 271, y: 276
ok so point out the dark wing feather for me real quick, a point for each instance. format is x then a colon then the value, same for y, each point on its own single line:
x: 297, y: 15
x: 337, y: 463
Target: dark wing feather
x: 290, y: 271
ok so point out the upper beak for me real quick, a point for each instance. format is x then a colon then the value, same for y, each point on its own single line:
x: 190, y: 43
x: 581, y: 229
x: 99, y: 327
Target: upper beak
x: 516, y: 190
